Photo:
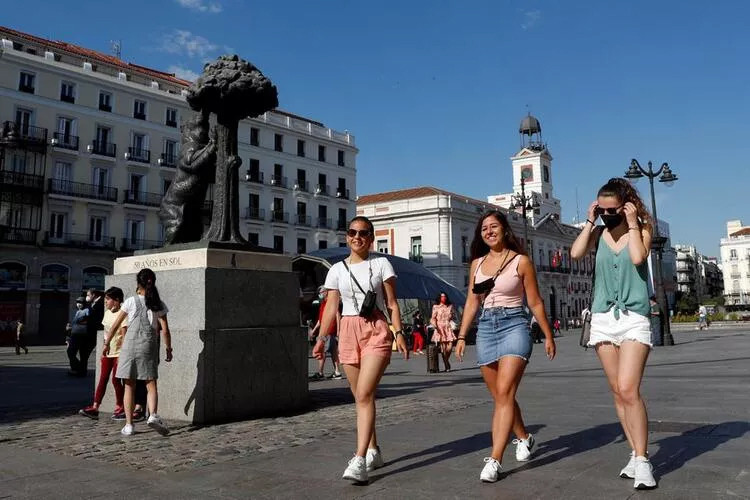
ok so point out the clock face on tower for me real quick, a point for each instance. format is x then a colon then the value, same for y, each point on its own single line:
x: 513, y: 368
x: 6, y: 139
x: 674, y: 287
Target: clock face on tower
x: 527, y: 173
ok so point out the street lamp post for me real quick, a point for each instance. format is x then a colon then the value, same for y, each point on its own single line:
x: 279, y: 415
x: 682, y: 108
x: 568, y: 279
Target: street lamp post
x: 525, y: 203
x: 657, y: 244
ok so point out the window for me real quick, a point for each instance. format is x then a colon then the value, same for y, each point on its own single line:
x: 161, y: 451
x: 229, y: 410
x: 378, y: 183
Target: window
x: 171, y: 120
x: 278, y: 175
x: 278, y: 142
x: 134, y: 231
x: 278, y: 243
x: 24, y: 119
x: 342, y: 244
x: 253, y: 206
x: 278, y: 210
x: 62, y: 173
x: 301, y: 179
x: 96, y: 229
x: 254, y: 171
x: 300, y: 148
x: 301, y: 208
x: 26, y: 82
x: 733, y: 254
x: 165, y: 183
x: 416, y: 249
x: 254, y: 136
x: 464, y: 249
x: 546, y: 195
x: 67, y: 92
x: 323, y: 221
x: 382, y: 246
x: 136, y: 187
x: 100, y: 180
x: 253, y: 238
x: 546, y: 173
x: 322, y: 244
x: 301, y: 245
x: 170, y: 152
x: 321, y: 153
x: 105, y: 101
x: 139, y: 150
x: 102, y: 138
x: 65, y: 129
x: 139, y: 109
x: 322, y: 187
x: 57, y: 225
x: 341, y: 191
x: 341, y: 224
x: 18, y: 164
x: 341, y: 159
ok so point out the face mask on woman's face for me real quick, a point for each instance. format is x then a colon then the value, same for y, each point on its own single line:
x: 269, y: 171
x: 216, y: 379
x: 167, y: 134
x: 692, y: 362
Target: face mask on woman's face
x: 611, y: 221
x: 443, y: 300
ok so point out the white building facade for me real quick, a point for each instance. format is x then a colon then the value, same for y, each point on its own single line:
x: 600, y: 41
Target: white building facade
x: 735, y: 264
x: 88, y: 146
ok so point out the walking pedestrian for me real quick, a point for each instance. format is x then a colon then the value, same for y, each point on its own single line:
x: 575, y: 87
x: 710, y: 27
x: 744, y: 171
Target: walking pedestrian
x: 556, y: 326
x: 620, y: 328
x: 20, y: 341
x: 326, y: 343
x: 656, y: 324
x: 78, y: 338
x: 139, y: 356
x: 417, y: 333
x: 113, y: 299
x: 442, y: 320
x: 501, y: 275
x: 366, y: 285
x: 702, y: 318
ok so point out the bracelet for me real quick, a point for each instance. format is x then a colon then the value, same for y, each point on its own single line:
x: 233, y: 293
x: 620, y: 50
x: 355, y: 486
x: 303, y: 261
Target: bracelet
x: 169, y: 349
x: 400, y: 332
x: 589, y: 222
x: 461, y: 338
x: 633, y: 229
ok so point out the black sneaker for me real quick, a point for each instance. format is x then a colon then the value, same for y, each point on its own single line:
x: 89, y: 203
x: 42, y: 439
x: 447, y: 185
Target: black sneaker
x: 317, y: 376
x: 90, y: 412
x: 139, y: 415
x: 118, y: 415
x: 335, y: 376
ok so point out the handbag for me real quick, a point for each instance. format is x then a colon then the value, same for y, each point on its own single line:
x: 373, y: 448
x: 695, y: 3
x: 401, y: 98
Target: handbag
x: 586, y: 326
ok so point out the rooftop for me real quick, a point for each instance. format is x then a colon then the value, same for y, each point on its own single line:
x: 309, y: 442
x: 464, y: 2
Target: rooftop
x: 417, y: 192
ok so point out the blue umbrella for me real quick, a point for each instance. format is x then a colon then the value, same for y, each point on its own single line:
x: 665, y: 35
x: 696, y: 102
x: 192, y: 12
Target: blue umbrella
x: 414, y: 280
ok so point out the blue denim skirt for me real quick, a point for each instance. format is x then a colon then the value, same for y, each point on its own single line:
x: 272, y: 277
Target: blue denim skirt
x: 503, y: 331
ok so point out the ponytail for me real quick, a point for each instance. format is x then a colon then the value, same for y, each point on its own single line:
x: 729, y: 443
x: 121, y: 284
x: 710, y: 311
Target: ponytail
x: 146, y: 280
x: 624, y: 191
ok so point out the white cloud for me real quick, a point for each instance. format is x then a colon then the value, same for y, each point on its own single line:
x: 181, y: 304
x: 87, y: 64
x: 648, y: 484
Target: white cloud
x: 530, y: 18
x: 201, y: 6
x: 184, y: 73
x: 186, y: 43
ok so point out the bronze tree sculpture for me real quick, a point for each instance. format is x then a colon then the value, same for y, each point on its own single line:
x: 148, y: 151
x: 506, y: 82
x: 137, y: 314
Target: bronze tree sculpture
x: 232, y: 89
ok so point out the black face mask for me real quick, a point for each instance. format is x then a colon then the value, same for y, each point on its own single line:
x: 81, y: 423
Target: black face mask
x: 611, y: 221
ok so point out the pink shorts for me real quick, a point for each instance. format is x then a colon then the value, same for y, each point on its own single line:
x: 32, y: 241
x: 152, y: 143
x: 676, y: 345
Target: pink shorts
x: 359, y: 337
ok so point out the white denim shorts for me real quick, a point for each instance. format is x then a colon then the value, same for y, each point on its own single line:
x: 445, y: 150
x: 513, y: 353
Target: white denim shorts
x: 630, y: 326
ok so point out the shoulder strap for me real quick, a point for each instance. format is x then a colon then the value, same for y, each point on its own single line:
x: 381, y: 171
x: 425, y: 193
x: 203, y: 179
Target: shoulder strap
x: 504, y: 266
x: 354, y: 278
x: 593, y: 273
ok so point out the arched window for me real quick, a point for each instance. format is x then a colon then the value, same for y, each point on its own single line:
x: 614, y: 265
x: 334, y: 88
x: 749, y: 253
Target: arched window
x: 93, y: 277
x: 12, y: 275
x: 55, y: 277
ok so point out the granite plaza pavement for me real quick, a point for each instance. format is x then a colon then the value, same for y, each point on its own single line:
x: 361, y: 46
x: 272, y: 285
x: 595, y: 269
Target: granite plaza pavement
x: 433, y: 429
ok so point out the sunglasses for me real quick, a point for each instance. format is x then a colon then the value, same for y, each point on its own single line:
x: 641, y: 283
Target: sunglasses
x: 363, y: 233
x: 610, y: 211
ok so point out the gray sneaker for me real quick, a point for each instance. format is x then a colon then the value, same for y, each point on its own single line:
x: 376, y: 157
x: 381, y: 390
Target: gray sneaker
x: 628, y: 472
x: 644, y: 474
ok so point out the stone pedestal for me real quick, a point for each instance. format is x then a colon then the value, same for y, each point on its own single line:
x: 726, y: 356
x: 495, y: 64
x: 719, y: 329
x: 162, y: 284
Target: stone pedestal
x: 234, y: 318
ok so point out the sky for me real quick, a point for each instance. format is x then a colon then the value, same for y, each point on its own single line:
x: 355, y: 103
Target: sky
x: 434, y: 91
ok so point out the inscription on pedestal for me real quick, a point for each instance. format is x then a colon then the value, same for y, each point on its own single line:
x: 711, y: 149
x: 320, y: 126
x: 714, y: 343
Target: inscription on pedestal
x: 203, y: 258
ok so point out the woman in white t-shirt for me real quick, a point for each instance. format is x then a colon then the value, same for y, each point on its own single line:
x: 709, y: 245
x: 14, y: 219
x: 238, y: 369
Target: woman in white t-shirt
x: 365, y: 340
x: 139, y: 356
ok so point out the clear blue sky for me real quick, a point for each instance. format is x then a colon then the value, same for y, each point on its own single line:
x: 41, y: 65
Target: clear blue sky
x: 434, y: 91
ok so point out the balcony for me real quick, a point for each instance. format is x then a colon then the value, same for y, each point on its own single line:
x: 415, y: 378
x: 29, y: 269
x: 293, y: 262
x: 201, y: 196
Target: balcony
x: 323, y: 190
x: 171, y: 123
x: 278, y: 181
x: 138, y: 155
x: 139, y: 116
x: 342, y: 193
x: 303, y: 220
x: 302, y: 185
x: 29, y: 89
x: 167, y: 160
x: 25, y: 133
x: 103, y: 148
x: 141, y: 198
x: 255, y: 213
x: 735, y: 276
x: 341, y: 225
x: 279, y: 216
x: 105, y: 107
x: 19, y: 182
x: 80, y: 190
x: 67, y: 98
x: 16, y: 235
x: 256, y: 177
x: 416, y: 257
x: 64, y: 141
x: 684, y: 279
x: 324, y: 223
x: 79, y: 241
x: 130, y: 245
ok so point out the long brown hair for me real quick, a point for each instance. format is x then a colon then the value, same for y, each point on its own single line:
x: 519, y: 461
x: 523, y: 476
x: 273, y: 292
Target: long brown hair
x: 620, y: 188
x: 479, y: 248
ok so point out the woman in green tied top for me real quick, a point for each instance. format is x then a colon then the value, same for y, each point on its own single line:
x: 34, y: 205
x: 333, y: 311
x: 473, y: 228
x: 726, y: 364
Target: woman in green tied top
x: 620, y: 326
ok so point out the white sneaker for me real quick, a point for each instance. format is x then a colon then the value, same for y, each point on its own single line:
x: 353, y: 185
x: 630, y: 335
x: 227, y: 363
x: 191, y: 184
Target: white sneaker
x: 491, y: 470
x: 127, y: 430
x: 373, y: 459
x: 628, y: 472
x: 644, y: 474
x: 523, y: 448
x: 356, y: 470
x: 155, y: 422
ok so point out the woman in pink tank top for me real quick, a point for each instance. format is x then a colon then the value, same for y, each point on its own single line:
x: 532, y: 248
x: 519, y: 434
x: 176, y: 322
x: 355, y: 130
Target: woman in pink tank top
x: 501, y: 276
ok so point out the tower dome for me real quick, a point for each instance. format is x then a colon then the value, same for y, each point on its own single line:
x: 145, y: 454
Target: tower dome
x: 530, y: 125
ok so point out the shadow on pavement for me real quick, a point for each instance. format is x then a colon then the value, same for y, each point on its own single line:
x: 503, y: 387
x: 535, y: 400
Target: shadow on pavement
x: 676, y: 451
